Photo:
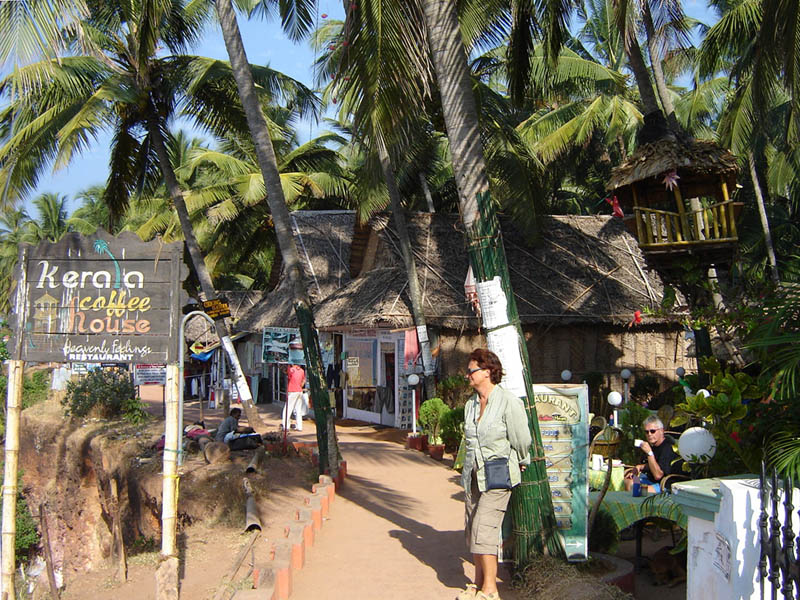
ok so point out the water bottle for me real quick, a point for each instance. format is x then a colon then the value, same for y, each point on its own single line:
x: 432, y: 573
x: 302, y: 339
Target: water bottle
x: 637, y: 486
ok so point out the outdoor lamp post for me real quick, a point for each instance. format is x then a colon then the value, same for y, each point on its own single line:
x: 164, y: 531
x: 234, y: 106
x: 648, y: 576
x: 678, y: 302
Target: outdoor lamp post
x: 625, y: 374
x: 413, y: 380
x: 566, y: 375
x: 615, y: 399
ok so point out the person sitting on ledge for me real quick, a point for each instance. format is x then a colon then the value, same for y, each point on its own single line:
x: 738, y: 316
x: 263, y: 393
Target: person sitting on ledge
x: 229, y: 429
x: 659, y: 457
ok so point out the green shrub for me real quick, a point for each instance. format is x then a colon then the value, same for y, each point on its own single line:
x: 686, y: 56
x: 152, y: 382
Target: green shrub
x: 452, y: 425
x: 104, y: 393
x: 27, y: 536
x: 631, y: 420
x: 430, y: 416
x: 34, y: 389
x: 454, y: 391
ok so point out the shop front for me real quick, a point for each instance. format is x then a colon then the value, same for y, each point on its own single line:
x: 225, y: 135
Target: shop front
x: 376, y: 371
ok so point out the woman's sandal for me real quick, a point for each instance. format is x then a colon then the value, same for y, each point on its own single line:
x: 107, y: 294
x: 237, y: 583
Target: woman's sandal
x: 492, y: 596
x: 469, y: 593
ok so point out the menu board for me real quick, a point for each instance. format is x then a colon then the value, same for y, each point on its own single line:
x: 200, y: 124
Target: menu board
x: 562, y: 410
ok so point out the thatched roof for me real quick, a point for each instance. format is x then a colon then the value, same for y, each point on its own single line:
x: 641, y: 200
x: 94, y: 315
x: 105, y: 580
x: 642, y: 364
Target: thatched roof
x: 323, y: 244
x: 584, y: 269
x: 697, y: 158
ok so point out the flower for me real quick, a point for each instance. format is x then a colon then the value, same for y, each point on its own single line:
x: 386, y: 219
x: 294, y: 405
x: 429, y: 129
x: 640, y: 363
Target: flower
x: 735, y: 437
x: 671, y: 179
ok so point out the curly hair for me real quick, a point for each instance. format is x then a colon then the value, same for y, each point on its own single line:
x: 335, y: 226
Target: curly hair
x: 487, y: 359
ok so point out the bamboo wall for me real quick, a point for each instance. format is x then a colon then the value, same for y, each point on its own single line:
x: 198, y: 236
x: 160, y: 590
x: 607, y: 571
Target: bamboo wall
x: 583, y: 349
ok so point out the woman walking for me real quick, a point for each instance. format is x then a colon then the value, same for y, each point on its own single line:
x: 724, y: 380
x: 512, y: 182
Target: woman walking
x: 498, y: 449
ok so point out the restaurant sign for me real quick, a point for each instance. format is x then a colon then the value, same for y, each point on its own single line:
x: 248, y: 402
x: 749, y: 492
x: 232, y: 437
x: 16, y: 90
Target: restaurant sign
x: 563, y: 414
x: 562, y: 410
x: 99, y: 298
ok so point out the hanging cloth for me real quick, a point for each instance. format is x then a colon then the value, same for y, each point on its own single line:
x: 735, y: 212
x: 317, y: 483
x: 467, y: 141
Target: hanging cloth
x: 411, y: 352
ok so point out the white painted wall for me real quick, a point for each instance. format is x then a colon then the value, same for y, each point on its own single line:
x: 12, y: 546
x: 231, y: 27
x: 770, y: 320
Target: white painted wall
x: 736, y: 525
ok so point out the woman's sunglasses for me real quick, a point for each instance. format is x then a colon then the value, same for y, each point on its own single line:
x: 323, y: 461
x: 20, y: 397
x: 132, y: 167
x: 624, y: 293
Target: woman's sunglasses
x: 471, y: 371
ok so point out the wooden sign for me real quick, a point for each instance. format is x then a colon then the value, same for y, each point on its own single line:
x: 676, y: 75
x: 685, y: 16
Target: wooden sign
x: 100, y: 298
x: 563, y: 422
x: 217, y: 308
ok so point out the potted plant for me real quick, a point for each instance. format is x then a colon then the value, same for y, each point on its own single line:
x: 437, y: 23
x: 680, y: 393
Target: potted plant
x: 430, y: 417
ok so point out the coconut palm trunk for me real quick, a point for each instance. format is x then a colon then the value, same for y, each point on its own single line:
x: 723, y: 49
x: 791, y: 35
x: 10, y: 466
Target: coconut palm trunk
x: 658, y: 71
x: 326, y: 438
x: 642, y: 76
x: 762, y: 213
x: 417, y: 308
x: 207, y: 291
x: 531, y: 506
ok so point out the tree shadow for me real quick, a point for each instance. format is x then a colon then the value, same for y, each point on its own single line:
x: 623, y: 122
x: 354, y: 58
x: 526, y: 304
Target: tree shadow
x: 443, y: 551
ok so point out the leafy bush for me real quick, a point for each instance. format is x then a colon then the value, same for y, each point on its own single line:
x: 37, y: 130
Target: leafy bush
x: 27, y: 536
x: 34, y: 389
x: 430, y: 416
x: 631, y: 420
x: 452, y: 425
x: 104, y: 393
x: 454, y: 391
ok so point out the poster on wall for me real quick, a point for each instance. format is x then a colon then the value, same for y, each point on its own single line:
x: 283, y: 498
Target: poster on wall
x: 360, y: 363
x: 563, y: 412
x: 282, y: 345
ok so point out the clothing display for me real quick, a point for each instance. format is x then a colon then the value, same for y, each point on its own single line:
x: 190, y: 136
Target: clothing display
x: 411, y: 348
x: 384, y: 399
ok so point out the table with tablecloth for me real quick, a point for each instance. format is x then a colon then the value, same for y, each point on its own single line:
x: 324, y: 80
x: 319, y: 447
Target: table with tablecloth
x: 627, y: 509
x: 597, y: 478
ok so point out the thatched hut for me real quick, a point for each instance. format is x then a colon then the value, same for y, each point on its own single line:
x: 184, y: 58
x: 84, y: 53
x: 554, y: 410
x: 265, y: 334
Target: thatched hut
x: 676, y: 197
x: 581, y: 290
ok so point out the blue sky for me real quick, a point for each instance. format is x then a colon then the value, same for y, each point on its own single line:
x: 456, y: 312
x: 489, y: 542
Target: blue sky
x: 265, y: 43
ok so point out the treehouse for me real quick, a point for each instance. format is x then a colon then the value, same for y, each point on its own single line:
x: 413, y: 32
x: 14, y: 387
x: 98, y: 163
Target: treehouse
x: 675, y: 198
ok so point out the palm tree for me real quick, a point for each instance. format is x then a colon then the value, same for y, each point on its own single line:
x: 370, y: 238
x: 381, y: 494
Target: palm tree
x: 371, y: 39
x: 14, y: 230
x: 294, y: 14
x: 743, y: 127
x: 463, y: 131
x: 52, y: 223
x: 136, y: 90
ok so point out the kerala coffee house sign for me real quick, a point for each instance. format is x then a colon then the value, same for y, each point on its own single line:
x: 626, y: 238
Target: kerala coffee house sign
x: 100, y: 298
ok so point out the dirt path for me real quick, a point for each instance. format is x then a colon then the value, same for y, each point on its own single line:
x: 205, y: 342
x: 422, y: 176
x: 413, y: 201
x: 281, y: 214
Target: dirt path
x: 395, y: 532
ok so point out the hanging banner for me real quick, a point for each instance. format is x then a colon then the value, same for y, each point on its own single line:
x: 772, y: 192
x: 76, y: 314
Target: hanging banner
x: 101, y: 298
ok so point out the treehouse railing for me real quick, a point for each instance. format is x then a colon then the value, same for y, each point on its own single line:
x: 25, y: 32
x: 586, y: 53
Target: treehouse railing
x: 712, y: 224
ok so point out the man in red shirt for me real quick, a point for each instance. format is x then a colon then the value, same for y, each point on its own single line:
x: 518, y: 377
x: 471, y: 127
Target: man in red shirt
x: 294, y: 401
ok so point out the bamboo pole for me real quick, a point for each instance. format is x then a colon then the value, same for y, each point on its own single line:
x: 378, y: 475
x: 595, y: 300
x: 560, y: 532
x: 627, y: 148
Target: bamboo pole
x: 167, y: 573
x: 13, y: 403
x: 119, y: 542
x: 48, y: 554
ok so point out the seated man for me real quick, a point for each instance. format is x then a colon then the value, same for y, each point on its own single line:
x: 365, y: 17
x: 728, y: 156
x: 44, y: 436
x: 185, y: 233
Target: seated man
x: 229, y: 428
x: 659, y: 457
